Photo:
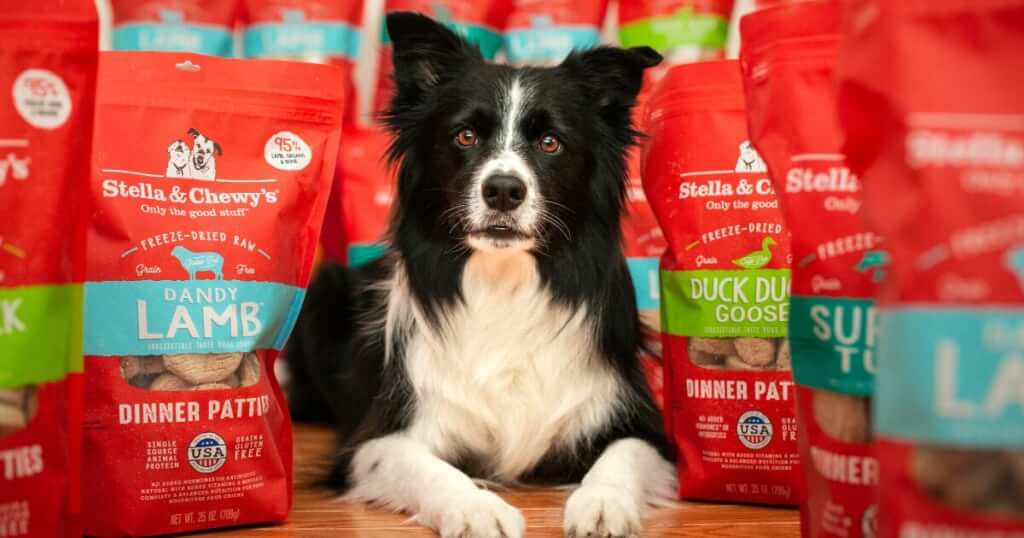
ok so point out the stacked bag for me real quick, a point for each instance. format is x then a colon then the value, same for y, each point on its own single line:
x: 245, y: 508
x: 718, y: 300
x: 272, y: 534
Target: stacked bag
x: 201, y: 216
x: 725, y: 282
x: 887, y: 136
x: 48, y: 56
x: 788, y: 62
x: 934, y: 124
x: 201, y: 245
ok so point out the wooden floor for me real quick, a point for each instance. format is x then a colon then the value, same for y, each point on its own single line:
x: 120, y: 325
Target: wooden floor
x: 316, y: 514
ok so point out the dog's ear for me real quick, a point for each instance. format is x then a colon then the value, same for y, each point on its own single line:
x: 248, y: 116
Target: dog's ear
x: 425, y: 52
x: 217, y: 150
x: 193, y: 132
x: 614, y: 74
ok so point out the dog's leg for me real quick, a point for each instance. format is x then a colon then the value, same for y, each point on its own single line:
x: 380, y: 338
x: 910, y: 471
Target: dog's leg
x: 401, y: 474
x: 628, y: 477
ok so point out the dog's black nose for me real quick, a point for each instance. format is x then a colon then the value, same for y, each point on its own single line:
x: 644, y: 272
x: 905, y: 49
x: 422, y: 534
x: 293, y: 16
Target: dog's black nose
x: 504, y: 193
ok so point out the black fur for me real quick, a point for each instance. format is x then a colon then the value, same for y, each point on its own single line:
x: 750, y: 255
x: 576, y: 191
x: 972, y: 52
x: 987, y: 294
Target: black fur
x: 442, y: 86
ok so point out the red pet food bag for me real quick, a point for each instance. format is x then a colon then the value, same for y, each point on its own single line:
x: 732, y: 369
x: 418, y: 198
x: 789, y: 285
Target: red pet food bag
x: 479, y: 21
x: 368, y: 190
x: 683, y: 31
x: 788, y: 59
x: 310, y: 31
x: 208, y: 213
x: 544, y: 32
x: 305, y: 30
x: 724, y: 292
x: 199, y: 26
x: 931, y: 108
x: 48, y: 56
x: 644, y: 244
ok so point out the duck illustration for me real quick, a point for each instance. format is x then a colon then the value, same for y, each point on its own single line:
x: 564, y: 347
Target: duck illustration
x: 874, y: 260
x: 758, y: 258
x: 11, y: 249
x: 1015, y: 263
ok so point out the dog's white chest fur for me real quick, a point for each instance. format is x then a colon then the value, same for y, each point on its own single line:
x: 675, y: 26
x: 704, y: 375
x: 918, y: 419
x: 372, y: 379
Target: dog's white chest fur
x: 514, y: 374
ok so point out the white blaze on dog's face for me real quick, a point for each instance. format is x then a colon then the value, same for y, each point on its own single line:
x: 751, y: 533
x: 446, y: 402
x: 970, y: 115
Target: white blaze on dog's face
x: 504, y: 199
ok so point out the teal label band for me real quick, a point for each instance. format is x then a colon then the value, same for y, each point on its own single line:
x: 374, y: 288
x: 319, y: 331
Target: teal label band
x: 364, y: 253
x: 833, y: 343
x: 155, y: 317
x: 549, y: 43
x: 489, y: 41
x: 301, y: 40
x: 173, y: 37
x: 644, y: 272
x: 952, y: 376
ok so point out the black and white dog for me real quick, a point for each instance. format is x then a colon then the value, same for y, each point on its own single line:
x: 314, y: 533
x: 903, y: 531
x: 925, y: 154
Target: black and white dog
x: 202, y: 164
x: 498, y: 338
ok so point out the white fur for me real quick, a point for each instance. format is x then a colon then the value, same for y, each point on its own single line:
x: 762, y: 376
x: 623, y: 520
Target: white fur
x: 508, y: 375
x: 507, y: 161
x: 629, y: 477
x: 178, y: 158
x: 515, y: 98
x: 401, y: 474
x: 493, y: 380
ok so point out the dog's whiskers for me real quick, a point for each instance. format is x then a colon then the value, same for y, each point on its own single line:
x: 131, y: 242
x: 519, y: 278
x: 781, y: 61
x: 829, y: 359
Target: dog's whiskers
x: 557, y: 223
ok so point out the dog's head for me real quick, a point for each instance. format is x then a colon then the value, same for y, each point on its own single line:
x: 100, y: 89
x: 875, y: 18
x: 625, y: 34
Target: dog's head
x: 747, y: 152
x: 496, y: 157
x: 179, y: 152
x: 203, y: 149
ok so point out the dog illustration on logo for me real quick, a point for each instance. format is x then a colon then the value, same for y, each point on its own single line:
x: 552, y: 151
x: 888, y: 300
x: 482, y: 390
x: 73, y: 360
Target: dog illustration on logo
x: 749, y: 160
x: 202, y: 165
x: 195, y: 262
x: 179, y: 155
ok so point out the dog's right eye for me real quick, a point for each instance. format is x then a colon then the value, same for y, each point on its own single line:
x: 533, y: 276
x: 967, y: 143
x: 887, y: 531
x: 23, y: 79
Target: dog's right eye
x: 466, y: 138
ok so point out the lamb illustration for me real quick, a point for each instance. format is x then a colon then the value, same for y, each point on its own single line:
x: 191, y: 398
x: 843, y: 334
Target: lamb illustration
x: 195, y: 262
x: 1015, y: 263
x: 749, y: 160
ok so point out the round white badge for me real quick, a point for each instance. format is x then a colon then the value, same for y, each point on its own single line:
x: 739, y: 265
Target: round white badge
x: 754, y: 430
x: 41, y: 98
x: 207, y: 452
x: 286, y: 151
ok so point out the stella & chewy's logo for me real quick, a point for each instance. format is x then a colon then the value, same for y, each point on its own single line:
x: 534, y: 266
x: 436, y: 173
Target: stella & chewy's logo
x: 195, y: 159
x: 207, y: 452
x: 749, y: 162
x: 926, y: 147
x: 754, y: 430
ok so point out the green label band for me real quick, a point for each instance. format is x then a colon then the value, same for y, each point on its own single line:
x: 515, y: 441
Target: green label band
x: 682, y: 28
x: 752, y: 302
x: 40, y: 333
x: 832, y: 341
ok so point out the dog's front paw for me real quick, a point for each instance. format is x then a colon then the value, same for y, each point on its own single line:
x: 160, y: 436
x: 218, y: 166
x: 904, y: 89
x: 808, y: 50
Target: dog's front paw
x: 601, y: 512
x: 483, y: 515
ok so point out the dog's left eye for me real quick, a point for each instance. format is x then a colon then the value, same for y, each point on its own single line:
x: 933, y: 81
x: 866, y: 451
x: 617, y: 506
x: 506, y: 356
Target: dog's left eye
x: 550, y: 144
x: 466, y: 138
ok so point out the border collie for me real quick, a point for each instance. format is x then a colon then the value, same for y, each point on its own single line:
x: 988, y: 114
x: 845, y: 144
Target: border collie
x: 498, y: 337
